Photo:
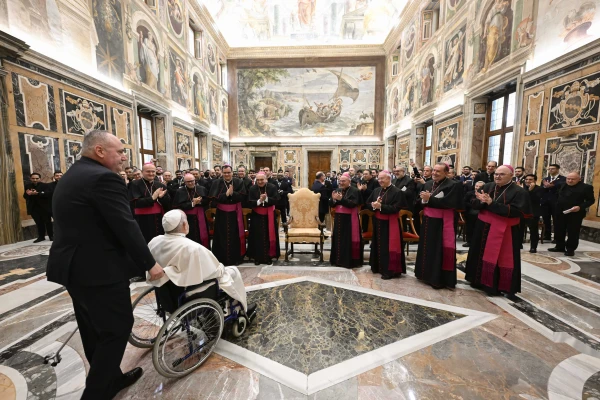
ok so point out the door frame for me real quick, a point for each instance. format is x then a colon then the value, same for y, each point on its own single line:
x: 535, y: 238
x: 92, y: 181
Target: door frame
x: 324, y: 149
x: 254, y: 154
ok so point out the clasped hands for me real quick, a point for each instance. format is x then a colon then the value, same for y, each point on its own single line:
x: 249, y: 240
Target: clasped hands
x: 159, y: 193
x: 483, y: 197
x: 263, y: 197
x: 425, y: 196
x: 31, y: 192
x: 229, y: 190
x: 337, y: 196
x: 376, y: 205
x: 197, y: 200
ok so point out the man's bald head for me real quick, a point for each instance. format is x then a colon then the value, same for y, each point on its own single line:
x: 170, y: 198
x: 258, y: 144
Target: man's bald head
x: 189, y: 180
x: 105, y: 148
x: 573, y: 178
x: 149, y: 171
x: 503, y: 175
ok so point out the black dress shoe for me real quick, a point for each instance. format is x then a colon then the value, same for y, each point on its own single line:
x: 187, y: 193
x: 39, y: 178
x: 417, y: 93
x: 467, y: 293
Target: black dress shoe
x: 569, y: 253
x: 466, y: 244
x: 556, y: 250
x: 553, y: 242
x: 532, y: 250
x: 39, y: 240
x: 128, y: 379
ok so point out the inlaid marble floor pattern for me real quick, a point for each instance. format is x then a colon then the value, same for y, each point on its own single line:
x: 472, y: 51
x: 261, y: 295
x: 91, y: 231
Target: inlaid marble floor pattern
x: 324, y: 332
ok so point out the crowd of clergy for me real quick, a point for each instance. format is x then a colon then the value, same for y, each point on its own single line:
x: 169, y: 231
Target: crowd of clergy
x: 496, y: 206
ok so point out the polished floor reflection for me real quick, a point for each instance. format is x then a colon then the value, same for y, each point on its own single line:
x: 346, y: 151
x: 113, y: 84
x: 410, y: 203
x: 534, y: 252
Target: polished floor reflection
x: 346, y: 333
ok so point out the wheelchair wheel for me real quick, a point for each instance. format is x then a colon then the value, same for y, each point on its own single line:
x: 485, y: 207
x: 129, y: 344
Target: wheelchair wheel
x: 238, y: 327
x: 187, y: 338
x: 148, y: 318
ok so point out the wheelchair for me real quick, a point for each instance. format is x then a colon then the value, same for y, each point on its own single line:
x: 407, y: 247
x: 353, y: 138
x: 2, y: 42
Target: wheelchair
x: 183, y: 325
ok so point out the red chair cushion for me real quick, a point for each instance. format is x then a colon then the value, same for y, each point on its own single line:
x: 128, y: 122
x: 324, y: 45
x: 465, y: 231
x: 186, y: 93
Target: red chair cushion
x: 211, y: 232
x: 367, y: 235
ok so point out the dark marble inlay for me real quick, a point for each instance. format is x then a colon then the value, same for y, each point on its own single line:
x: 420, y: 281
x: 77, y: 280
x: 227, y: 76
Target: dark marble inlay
x: 589, y: 271
x: 565, y: 295
x: 24, y: 251
x: 554, y: 324
x: 40, y: 377
x: 305, y: 260
x: 310, y: 326
x: 20, y: 104
x: 22, y: 268
x: 591, y: 389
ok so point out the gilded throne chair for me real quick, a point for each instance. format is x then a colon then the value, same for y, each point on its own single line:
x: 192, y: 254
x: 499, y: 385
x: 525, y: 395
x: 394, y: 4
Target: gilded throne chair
x: 304, y: 225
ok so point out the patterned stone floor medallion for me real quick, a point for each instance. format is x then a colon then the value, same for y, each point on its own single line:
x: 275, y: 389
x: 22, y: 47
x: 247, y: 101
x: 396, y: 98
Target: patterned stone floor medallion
x: 539, y: 258
x: 22, y: 252
x: 312, y: 333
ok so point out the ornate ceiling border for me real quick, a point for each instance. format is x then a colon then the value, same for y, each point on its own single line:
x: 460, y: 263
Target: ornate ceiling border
x: 305, y: 51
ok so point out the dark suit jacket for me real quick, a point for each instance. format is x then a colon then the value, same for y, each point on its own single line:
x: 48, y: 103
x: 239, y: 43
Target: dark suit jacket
x: 41, y: 202
x: 535, y: 196
x: 581, y: 195
x: 551, y: 194
x: 96, y: 240
x: 325, y: 191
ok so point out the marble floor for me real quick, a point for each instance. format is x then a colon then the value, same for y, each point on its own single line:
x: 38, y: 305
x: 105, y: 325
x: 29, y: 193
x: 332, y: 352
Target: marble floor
x: 324, y: 332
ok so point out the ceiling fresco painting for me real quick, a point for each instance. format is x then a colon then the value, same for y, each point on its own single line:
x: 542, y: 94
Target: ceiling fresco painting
x: 247, y: 23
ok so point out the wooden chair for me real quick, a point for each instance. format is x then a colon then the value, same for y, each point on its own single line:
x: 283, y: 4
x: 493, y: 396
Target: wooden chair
x: 409, y: 233
x: 304, y: 225
x: 462, y: 227
x: 367, y: 235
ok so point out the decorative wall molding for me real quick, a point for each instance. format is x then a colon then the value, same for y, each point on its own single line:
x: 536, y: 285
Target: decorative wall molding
x: 354, y: 50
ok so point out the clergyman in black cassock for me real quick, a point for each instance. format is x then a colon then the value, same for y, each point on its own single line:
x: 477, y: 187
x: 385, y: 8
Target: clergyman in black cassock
x: 574, y: 197
x: 386, y: 255
x: 38, y: 200
x: 436, y: 255
x: 229, y: 240
x: 263, y: 236
x: 192, y: 199
x: 151, y: 201
x: 494, y: 261
x: 346, y: 246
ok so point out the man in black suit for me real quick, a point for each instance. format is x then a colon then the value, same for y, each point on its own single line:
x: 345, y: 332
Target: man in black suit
x: 405, y: 184
x: 323, y: 187
x: 38, y: 198
x: 98, y: 247
x: 550, y: 186
x: 519, y: 175
x: 571, y: 206
x: 535, y: 195
x: 488, y: 175
x: 283, y: 189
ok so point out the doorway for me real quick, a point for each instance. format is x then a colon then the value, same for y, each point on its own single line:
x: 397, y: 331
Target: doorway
x: 317, y: 161
x: 262, y: 162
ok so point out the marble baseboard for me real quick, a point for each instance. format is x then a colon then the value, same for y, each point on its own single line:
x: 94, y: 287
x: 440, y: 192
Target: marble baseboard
x: 590, y: 234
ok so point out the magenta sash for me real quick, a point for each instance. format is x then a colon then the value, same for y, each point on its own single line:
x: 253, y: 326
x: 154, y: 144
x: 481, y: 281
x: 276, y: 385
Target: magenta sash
x: 339, y: 209
x: 237, y: 208
x: 394, y: 242
x: 155, y: 209
x: 269, y: 212
x: 448, y: 236
x: 199, y: 213
x: 495, y: 252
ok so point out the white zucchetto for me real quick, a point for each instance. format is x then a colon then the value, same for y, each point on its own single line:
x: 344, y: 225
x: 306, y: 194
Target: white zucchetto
x: 171, y: 220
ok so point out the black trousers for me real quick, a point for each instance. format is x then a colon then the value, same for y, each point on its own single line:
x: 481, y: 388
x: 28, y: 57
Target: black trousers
x: 567, y: 225
x: 281, y: 209
x: 105, y: 318
x: 470, y: 221
x: 43, y: 222
x: 549, y: 214
x: 534, y: 230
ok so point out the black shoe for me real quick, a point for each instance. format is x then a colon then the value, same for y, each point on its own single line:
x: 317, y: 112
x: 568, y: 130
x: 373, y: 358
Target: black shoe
x: 466, y: 244
x: 129, y: 378
x: 388, y: 277
x: 553, y: 242
x: 547, y: 239
x: 556, y: 250
x: 532, y: 250
x: 569, y: 253
x: 39, y: 240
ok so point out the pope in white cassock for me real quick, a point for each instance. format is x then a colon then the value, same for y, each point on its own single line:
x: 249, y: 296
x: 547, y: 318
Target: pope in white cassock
x: 189, y: 263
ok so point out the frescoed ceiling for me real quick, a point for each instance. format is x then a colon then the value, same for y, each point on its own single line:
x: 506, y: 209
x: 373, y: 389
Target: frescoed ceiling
x: 252, y: 23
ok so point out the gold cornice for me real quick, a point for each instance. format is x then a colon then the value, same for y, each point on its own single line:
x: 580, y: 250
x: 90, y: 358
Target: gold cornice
x: 354, y: 50
x: 406, y: 16
x: 210, y: 25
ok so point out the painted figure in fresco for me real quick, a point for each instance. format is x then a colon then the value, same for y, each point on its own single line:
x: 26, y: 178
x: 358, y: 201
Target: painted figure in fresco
x: 211, y: 57
x: 224, y: 114
x: 306, y: 11
x: 497, y: 32
x: 180, y: 80
x: 427, y: 81
x: 149, y: 66
x: 408, y: 95
x: 175, y: 16
x: 213, y: 106
x: 199, y: 98
x: 455, y: 59
x: 577, y: 22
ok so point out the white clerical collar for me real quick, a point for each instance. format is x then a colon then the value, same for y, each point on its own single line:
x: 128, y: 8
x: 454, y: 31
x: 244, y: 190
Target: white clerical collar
x: 176, y: 234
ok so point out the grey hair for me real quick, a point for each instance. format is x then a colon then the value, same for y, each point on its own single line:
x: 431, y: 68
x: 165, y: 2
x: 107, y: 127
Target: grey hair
x: 182, y: 222
x: 93, y: 139
x: 478, y: 182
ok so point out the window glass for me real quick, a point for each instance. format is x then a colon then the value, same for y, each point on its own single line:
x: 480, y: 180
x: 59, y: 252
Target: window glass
x: 146, y: 134
x: 428, y: 136
x: 510, y: 113
x: 494, y: 148
x: 497, y: 113
x: 508, y: 142
x: 427, y: 157
x: 191, y: 41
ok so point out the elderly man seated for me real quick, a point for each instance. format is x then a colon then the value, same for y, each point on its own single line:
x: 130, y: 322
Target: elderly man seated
x: 189, y: 263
